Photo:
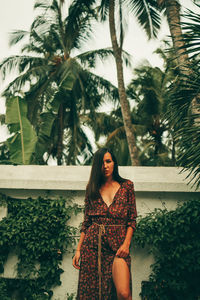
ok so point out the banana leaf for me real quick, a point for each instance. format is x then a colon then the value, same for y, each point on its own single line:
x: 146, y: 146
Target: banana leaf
x: 23, y: 140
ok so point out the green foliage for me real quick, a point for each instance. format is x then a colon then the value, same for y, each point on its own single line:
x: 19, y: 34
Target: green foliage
x: 185, y: 119
x: 3, y: 290
x: 71, y: 296
x: 149, y: 93
x: 173, y: 238
x: 4, y: 154
x: 184, y: 110
x: 23, y: 140
x: 37, y: 231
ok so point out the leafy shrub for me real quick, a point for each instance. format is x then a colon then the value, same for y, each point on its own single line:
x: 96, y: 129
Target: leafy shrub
x: 173, y: 237
x: 37, y: 231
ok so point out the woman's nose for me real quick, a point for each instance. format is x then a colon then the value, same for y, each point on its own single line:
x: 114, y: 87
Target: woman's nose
x: 105, y: 165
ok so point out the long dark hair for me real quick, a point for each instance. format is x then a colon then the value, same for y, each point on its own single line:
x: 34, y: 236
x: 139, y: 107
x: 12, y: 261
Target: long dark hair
x: 96, y: 176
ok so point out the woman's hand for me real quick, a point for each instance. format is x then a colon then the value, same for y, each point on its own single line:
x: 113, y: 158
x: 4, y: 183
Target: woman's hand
x: 76, y: 258
x: 123, y: 250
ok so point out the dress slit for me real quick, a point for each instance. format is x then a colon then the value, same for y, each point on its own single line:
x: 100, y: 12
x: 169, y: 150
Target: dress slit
x: 130, y: 283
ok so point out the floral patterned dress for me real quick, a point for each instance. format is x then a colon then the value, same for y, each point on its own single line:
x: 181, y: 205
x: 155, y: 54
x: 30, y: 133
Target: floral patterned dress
x: 105, y: 228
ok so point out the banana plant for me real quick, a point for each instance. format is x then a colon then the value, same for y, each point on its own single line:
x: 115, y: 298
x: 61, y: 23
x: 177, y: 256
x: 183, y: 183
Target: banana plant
x: 23, y: 137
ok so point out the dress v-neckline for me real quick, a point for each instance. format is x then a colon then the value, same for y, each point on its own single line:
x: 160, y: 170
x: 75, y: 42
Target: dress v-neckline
x: 113, y: 197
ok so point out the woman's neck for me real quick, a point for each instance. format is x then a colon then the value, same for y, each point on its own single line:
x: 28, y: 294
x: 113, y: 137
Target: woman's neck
x: 108, y: 181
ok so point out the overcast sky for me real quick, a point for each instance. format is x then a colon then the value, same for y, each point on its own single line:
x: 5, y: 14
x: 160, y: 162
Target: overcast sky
x: 19, y: 14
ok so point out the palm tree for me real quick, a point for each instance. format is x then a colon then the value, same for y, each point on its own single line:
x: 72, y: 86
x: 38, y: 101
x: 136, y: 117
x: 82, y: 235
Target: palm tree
x: 149, y: 89
x: 150, y: 21
x: 154, y: 136
x: 112, y: 134
x: 183, y: 112
x: 172, y: 10
x: 61, y: 89
x: 185, y: 107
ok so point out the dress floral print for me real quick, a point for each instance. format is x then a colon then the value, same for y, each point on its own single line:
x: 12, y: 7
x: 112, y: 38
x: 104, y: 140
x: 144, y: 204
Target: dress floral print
x: 114, y: 220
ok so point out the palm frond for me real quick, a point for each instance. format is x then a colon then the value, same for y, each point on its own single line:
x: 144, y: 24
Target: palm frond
x: 103, y: 9
x: 115, y: 133
x: 32, y: 48
x: 89, y: 58
x: 26, y: 77
x: 187, y: 124
x: 78, y: 22
x: 108, y: 91
x: 191, y: 36
x: 38, y: 22
x: 42, y: 4
x: 189, y: 154
x: 147, y: 14
x: 18, y: 63
x: 17, y: 36
x: 9, y: 64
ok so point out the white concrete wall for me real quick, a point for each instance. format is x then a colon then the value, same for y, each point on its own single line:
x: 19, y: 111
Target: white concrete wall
x: 156, y: 187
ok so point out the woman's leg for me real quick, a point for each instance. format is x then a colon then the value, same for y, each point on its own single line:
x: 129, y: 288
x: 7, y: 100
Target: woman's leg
x: 121, y: 278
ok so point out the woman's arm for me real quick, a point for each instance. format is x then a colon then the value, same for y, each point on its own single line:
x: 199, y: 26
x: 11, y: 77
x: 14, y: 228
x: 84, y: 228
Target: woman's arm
x: 132, y: 212
x: 76, y: 258
x: 80, y: 241
x: 85, y: 225
x: 123, y: 250
x: 128, y: 237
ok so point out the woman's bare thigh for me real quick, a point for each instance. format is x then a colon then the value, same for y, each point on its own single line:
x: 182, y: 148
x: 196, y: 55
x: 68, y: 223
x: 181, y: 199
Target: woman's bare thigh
x: 121, y: 278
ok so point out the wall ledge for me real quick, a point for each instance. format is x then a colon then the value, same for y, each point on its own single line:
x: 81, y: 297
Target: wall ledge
x: 152, y: 179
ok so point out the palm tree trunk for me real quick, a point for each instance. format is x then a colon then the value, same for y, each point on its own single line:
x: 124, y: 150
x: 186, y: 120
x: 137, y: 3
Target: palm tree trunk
x: 125, y: 108
x: 60, y: 136
x: 173, y: 151
x: 173, y: 18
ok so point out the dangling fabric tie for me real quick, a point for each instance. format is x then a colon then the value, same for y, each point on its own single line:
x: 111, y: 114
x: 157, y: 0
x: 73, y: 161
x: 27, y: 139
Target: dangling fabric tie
x: 101, y: 232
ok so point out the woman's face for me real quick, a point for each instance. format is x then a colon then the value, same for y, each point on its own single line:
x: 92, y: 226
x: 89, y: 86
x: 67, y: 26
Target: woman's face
x: 108, y: 165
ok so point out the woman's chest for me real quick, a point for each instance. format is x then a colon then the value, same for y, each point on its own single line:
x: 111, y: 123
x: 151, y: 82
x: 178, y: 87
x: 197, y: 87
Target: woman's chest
x: 117, y: 208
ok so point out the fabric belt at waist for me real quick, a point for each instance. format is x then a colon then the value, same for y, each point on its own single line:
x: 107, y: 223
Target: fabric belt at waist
x: 101, y: 232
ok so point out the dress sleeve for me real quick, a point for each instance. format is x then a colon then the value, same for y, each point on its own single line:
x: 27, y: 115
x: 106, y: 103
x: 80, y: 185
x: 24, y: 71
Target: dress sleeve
x: 132, y: 212
x: 87, y: 220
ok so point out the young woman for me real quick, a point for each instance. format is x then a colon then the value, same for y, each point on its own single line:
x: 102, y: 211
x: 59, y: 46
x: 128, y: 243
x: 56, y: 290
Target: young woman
x: 107, y: 229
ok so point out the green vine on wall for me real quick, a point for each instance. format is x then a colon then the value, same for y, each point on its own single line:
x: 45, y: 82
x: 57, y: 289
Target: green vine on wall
x: 174, y: 241
x: 38, y: 232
